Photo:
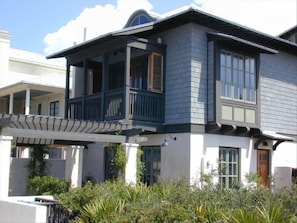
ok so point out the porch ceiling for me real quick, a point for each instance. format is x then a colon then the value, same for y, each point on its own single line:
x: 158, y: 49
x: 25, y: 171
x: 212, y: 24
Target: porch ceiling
x: 35, y: 129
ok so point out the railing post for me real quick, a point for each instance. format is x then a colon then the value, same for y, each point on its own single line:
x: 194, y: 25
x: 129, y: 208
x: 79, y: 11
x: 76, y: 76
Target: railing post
x: 127, y: 83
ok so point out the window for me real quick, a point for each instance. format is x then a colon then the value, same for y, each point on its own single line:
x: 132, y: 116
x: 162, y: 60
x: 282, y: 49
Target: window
x: 39, y: 109
x: 238, y: 77
x: 152, y: 162
x: 54, y: 108
x: 138, y: 78
x: 228, y: 167
x: 140, y: 20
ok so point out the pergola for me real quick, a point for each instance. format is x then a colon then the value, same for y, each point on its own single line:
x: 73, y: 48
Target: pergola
x: 75, y: 135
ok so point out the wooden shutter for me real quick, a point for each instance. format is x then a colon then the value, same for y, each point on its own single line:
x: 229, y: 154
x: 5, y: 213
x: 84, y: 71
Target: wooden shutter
x: 156, y: 72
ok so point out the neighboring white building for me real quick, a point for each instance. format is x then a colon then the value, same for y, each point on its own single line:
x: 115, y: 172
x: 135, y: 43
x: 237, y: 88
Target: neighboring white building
x: 30, y: 85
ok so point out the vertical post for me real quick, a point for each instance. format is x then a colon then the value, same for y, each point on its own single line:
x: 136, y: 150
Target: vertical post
x: 74, y: 164
x: 131, y: 165
x: 67, y: 90
x: 11, y: 103
x: 27, y: 103
x: 5, y: 150
x: 105, y: 73
x: 127, y: 82
x: 85, y: 89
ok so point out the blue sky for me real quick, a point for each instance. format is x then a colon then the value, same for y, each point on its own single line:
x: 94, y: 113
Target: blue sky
x: 46, y: 26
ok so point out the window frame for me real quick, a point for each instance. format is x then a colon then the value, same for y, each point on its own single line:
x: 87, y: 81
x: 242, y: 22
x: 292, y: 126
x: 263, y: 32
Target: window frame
x: 245, y: 74
x: 251, y: 116
x: 227, y: 163
x: 56, y: 111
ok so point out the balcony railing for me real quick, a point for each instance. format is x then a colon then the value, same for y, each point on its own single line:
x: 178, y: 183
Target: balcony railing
x: 110, y: 105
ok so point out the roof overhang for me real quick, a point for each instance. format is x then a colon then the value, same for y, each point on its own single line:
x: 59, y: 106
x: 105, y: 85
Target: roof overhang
x: 190, y: 15
x: 36, y: 89
x: 236, y: 40
x: 268, y: 135
x: 45, y: 130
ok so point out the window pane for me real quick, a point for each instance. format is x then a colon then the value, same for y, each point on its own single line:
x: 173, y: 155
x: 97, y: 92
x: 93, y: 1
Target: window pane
x: 228, y: 60
x: 228, y: 166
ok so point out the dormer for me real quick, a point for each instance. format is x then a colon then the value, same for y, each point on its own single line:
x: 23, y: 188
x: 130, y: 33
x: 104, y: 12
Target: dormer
x: 139, y: 17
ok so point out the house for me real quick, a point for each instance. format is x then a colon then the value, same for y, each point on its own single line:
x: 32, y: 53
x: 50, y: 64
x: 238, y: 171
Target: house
x: 197, y: 93
x: 29, y: 85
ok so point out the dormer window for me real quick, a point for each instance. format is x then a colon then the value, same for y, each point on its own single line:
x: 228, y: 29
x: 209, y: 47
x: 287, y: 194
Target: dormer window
x: 138, y: 18
x: 142, y: 19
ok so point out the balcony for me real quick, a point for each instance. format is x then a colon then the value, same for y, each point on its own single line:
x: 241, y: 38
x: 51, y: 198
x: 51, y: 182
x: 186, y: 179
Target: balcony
x: 110, y: 105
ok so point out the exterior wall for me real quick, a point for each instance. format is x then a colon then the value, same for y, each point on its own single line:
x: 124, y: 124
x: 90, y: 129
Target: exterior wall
x: 199, y: 60
x: 278, y: 87
x: 45, y: 104
x: 93, y: 163
x: 4, y: 55
x: 186, y: 75
x: 19, y: 174
x: 175, y: 158
x: 178, y: 75
x: 23, y: 210
x: 211, y: 83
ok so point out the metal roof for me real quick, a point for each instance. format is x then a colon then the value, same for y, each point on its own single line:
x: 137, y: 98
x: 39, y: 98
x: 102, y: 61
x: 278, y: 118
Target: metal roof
x: 188, y: 15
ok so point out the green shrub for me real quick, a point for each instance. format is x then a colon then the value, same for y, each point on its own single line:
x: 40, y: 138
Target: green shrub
x: 47, y: 185
x: 177, y: 201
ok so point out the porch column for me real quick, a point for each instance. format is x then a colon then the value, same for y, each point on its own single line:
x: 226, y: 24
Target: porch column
x: 131, y: 165
x: 5, y: 150
x: 74, y: 164
x: 11, y: 103
x: 67, y: 90
x: 27, y: 104
x: 127, y: 81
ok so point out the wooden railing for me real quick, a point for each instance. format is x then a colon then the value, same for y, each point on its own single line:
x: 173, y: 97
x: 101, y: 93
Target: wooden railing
x: 110, y: 105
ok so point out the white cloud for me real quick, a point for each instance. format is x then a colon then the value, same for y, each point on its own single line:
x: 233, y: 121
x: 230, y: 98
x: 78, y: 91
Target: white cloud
x: 269, y: 16
x: 97, y: 21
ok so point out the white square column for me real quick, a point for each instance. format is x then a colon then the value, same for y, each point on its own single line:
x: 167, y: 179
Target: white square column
x: 5, y: 150
x: 131, y: 165
x: 74, y: 165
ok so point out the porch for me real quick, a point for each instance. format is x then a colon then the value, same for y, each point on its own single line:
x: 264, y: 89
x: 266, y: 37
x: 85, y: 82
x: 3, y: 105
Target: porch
x: 111, y: 105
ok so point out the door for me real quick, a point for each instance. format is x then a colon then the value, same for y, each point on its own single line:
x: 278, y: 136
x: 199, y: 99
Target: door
x: 263, y: 166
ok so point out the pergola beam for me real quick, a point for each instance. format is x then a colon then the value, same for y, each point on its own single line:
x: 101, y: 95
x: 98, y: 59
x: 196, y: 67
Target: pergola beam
x: 55, y: 135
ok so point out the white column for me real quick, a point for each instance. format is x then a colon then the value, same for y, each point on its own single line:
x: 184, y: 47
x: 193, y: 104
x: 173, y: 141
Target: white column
x: 5, y: 150
x: 74, y: 165
x: 131, y: 165
x: 27, y: 105
x: 11, y: 103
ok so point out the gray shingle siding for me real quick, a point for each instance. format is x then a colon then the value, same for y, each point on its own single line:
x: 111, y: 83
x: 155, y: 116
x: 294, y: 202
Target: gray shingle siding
x: 186, y: 75
x: 278, y: 93
x: 178, y: 75
x: 210, y: 84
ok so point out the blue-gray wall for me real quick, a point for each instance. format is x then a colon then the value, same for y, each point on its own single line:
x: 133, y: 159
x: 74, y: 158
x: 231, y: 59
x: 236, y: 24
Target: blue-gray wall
x: 278, y: 93
x: 186, y: 75
x: 188, y: 93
